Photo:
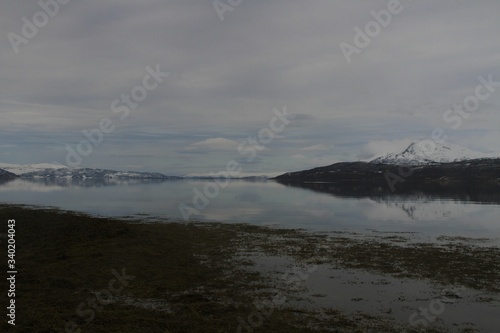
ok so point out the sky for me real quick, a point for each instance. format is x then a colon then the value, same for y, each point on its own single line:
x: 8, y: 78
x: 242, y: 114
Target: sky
x: 185, y: 87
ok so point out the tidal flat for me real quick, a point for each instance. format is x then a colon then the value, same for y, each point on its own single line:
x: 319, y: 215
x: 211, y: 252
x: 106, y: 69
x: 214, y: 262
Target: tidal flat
x: 82, y: 273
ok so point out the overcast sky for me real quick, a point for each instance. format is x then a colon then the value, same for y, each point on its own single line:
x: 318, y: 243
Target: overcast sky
x: 229, y: 68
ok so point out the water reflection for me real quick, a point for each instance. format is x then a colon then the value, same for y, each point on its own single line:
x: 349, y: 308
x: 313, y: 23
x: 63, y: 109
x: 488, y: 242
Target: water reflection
x: 315, y: 206
x: 463, y: 191
x: 90, y: 182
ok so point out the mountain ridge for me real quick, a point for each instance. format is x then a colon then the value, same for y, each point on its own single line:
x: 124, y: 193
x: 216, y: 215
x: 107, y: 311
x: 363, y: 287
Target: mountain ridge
x: 426, y: 152
x: 417, y: 163
x: 479, y: 170
x: 50, y: 171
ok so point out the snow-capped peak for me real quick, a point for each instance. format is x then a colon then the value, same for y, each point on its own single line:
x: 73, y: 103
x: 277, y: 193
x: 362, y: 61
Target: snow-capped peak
x: 20, y: 169
x: 427, y: 151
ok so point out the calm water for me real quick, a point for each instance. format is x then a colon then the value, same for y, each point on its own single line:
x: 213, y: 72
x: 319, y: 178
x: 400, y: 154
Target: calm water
x: 318, y: 207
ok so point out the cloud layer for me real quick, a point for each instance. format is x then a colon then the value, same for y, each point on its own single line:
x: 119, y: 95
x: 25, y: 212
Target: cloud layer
x: 226, y: 77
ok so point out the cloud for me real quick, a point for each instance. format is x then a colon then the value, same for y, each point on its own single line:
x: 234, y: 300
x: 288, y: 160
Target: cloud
x: 323, y: 161
x: 301, y: 117
x: 485, y: 142
x: 227, y: 77
x: 382, y: 147
x: 316, y: 147
x: 214, y: 144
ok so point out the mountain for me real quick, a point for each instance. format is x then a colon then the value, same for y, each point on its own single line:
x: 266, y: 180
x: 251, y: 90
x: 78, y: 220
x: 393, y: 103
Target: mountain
x: 20, y: 169
x: 4, y: 174
x: 423, y: 161
x: 51, y: 171
x: 428, y: 152
x: 374, y: 175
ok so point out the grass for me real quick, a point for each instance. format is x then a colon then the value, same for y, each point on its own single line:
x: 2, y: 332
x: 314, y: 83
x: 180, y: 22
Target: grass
x: 195, y: 277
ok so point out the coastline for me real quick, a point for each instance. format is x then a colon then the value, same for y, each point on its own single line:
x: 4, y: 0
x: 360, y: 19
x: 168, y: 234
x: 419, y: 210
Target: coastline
x: 208, y: 277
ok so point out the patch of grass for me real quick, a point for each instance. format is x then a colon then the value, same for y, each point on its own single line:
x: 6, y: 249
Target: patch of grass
x: 194, y: 277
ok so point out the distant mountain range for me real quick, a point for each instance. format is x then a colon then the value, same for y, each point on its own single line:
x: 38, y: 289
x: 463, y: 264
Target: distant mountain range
x: 63, y: 174
x: 51, y: 171
x: 421, y: 161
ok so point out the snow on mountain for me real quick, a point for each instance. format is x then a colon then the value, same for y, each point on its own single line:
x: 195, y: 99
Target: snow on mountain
x: 20, y: 169
x: 88, y: 173
x: 45, y: 170
x: 427, y: 152
x: 6, y: 174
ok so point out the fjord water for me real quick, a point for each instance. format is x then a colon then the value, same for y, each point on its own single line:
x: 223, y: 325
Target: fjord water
x: 355, y: 211
x: 319, y: 207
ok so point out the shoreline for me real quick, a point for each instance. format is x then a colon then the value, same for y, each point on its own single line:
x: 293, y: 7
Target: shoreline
x: 221, y: 277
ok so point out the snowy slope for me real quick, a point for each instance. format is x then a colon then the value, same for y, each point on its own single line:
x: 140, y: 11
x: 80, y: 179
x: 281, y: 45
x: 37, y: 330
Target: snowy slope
x: 425, y: 152
x: 6, y: 174
x: 20, y: 169
x: 88, y: 173
x: 45, y: 170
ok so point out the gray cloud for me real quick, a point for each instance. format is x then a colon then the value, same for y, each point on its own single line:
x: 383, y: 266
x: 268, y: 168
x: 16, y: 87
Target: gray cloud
x: 226, y: 78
